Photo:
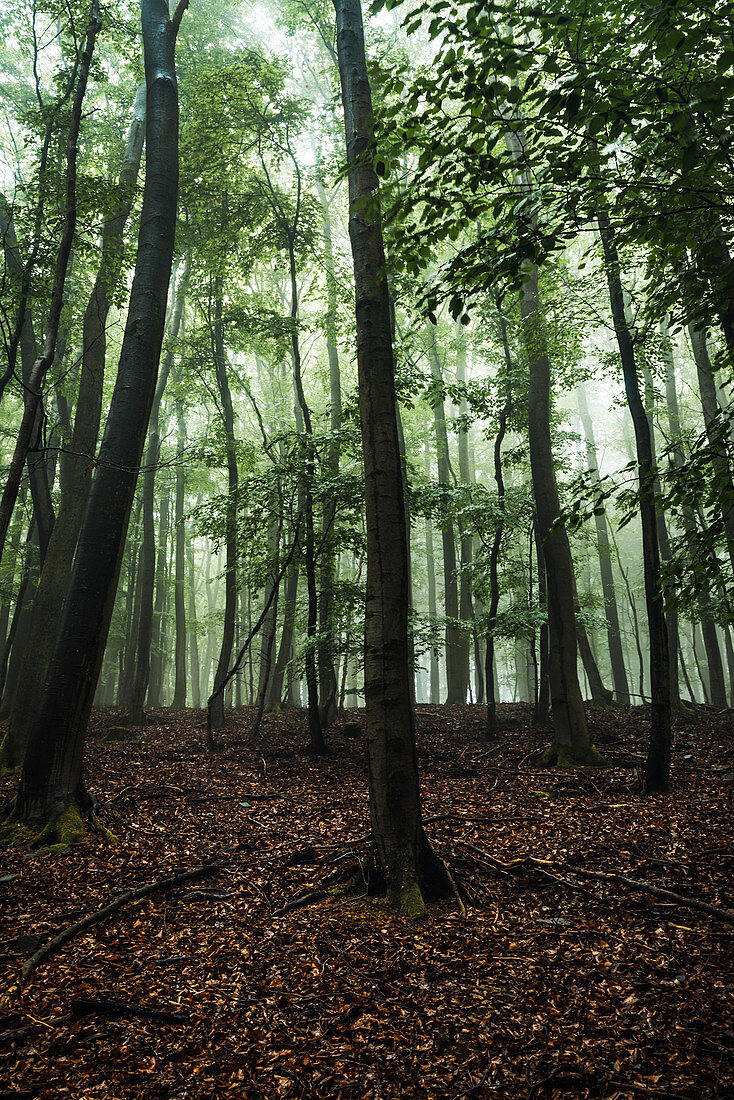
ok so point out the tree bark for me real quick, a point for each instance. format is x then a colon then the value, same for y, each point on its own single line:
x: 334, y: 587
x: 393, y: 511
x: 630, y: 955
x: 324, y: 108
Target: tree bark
x: 51, y: 782
x: 139, y: 685
x: 708, y: 625
x: 179, y: 691
x: 230, y: 577
x: 57, y: 563
x: 457, y: 643
x: 657, y: 769
x: 402, y: 849
x: 32, y: 390
x: 611, y: 612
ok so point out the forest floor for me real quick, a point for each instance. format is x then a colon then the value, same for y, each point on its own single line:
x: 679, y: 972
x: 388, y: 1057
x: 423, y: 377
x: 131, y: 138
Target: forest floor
x: 555, y: 985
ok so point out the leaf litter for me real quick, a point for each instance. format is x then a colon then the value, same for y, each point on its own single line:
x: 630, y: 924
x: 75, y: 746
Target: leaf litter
x: 555, y: 985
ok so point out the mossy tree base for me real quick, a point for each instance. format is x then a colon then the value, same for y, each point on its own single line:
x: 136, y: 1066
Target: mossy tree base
x: 560, y: 756
x: 55, y: 837
x: 411, y: 898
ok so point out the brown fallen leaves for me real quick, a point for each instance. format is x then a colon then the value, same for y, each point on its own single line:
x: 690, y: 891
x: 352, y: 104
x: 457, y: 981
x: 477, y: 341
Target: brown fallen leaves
x: 567, y: 988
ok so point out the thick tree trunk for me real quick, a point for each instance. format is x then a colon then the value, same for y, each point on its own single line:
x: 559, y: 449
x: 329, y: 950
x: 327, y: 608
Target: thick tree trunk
x: 51, y: 781
x: 657, y: 771
x: 611, y: 612
x: 49, y: 599
x: 403, y: 851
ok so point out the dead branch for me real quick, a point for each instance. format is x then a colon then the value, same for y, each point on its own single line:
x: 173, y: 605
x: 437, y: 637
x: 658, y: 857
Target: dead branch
x: 83, y: 1006
x: 49, y: 949
x: 656, y: 891
x: 300, y: 901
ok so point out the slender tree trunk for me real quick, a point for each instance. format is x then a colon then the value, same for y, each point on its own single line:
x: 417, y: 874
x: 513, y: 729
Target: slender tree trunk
x: 51, y: 782
x: 402, y: 849
x: 179, y: 691
x: 657, y: 770
x: 316, y: 733
x: 193, y: 635
x: 158, y: 641
x: 435, y: 686
x: 571, y: 742
x: 139, y: 686
x: 327, y: 672
x: 708, y: 626
x: 541, y: 715
x: 671, y: 615
x: 32, y: 390
x: 611, y: 613
x: 715, y: 434
x: 230, y: 577
x: 57, y: 563
x: 457, y: 643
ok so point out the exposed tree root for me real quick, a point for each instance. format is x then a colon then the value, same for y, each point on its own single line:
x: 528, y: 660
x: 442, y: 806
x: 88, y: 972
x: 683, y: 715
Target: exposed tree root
x: 49, y: 949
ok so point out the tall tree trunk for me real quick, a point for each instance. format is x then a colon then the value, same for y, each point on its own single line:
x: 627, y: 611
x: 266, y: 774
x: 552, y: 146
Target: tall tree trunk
x: 671, y: 615
x: 466, y: 541
x: 708, y: 625
x: 216, y: 709
x: 32, y: 389
x: 402, y: 849
x: 715, y: 433
x: 657, y: 770
x: 571, y: 742
x: 611, y: 612
x: 51, y: 782
x: 158, y: 640
x: 179, y: 691
x: 57, y: 563
x: 139, y: 686
x: 193, y: 634
x: 434, y: 677
x: 457, y: 643
x: 327, y: 671
x: 316, y: 733
x: 541, y: 715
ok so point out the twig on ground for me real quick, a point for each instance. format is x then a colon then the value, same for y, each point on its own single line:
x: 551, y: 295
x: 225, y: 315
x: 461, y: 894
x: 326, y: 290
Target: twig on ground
x: 49, y: 949
x: 83, y: 1006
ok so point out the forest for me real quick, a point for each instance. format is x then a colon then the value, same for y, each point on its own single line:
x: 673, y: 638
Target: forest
x: 366, y: 549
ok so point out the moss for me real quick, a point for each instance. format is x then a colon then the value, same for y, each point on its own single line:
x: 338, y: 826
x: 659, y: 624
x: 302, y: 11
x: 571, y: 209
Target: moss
x: 60, y: 834
x: 560, y: 756
x: 6, y: 767
x: 408, y: 901
x: 102, y: 832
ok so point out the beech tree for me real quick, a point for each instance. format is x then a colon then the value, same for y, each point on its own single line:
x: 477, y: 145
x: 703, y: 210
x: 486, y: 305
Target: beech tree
x: 51, y: 793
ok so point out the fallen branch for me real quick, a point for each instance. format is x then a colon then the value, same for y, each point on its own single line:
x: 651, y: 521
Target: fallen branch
x: 83, y: 1006
x: 300, y: 901
x: 49, y: 949
x: 656, y: 891
x: 28, y: 1029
